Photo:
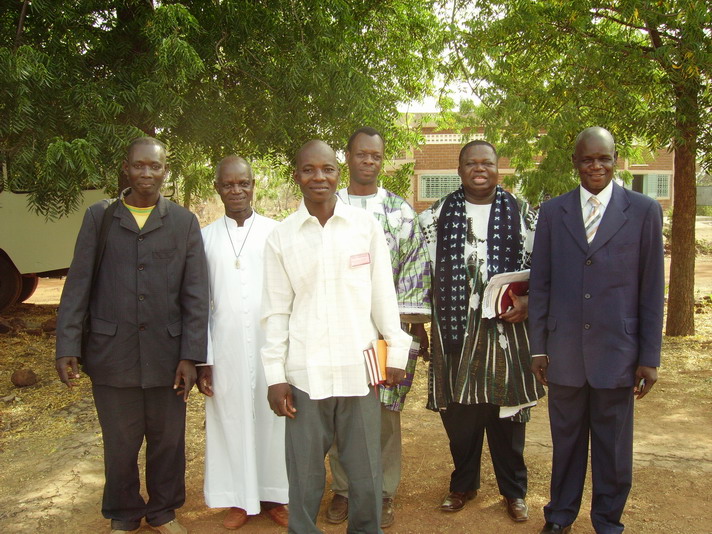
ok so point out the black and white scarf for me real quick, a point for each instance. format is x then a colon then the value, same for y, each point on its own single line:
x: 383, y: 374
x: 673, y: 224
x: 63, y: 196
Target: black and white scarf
x: 504, y: 254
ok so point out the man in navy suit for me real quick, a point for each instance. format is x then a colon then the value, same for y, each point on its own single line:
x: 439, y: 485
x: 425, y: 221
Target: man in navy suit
x: 595, y: 328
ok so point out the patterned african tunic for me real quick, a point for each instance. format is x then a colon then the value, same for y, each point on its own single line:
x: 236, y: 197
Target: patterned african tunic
x: 494, y: 364
x: 411, y: 271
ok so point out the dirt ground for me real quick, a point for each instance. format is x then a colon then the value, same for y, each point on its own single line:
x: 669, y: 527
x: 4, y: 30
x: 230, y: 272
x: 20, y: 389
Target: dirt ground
x: 50, y: 449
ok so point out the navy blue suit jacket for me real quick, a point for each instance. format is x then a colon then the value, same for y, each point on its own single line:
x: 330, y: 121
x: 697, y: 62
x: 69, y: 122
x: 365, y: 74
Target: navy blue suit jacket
x: 597, y: 310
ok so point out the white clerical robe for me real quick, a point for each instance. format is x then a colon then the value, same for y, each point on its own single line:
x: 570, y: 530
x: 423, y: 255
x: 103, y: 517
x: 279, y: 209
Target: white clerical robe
x: 244, y: 457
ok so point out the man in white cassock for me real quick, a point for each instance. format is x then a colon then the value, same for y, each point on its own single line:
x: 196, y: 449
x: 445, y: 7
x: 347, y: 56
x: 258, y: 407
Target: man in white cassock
x: 245, y: 467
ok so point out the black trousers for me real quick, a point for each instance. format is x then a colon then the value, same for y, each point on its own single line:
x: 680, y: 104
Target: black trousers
x: 127, y: 416
x: 466, y: 425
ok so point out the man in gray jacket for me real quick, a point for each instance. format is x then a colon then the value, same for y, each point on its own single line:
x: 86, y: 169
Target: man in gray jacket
x: 148, y: 308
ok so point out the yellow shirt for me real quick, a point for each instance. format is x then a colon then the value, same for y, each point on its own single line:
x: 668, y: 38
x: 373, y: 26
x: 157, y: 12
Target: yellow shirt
x: 140, y: 214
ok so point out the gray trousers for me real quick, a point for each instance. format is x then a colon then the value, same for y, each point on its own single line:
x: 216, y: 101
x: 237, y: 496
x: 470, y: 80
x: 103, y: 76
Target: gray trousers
x: 390, y: 457
x: 353, y: 423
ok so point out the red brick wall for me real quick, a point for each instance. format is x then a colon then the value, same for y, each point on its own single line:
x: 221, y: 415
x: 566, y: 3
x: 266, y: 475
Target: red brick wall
x: 443, y: 157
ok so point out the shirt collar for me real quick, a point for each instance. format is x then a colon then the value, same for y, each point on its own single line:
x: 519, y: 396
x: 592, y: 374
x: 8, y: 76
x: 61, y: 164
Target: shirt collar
x: 302, y: 214
x: 604, y: 196
x: 232, y: 223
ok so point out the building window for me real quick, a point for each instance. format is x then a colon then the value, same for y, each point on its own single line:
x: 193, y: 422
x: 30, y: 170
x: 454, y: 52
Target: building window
x: 451, y: 138
x: 652, y: 185
x: 435, y: 186
x: 663, y: 185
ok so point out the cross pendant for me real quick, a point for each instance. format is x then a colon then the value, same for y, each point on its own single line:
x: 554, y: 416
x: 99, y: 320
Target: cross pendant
x: 237, y: 263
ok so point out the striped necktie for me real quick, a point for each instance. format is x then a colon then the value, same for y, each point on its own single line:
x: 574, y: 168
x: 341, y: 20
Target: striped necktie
x: 593, y: 219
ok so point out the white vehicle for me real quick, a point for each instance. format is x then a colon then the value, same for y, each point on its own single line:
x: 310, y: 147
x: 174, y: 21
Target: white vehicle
x: 31, y: 246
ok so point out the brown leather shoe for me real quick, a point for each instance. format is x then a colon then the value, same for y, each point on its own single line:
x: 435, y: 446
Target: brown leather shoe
x: 338, y: 509
x: 279, y: 514
x: 455, y: 500
x: 235, y: 518
x: 388, y: 515
x: 517, y: 509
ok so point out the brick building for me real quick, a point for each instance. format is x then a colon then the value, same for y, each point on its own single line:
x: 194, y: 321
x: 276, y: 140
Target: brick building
x: 435, y: 172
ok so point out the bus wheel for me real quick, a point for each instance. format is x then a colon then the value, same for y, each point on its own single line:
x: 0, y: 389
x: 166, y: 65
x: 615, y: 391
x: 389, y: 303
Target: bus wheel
x: 29, y: 284
x: 10, y: 283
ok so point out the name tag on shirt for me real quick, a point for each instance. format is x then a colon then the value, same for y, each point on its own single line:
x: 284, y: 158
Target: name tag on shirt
x: 360, y: 259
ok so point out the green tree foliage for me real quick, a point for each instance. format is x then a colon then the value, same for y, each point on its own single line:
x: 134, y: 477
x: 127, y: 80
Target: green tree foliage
x: 80, y: 78
x: 545, y: 69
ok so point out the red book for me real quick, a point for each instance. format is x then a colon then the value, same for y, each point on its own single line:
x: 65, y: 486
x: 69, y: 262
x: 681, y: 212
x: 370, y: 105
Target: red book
x: 504, y: 300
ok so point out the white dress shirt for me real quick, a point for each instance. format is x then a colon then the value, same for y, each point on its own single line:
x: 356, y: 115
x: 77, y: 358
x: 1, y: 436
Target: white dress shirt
x: 328, y: 293
x: 604, y: 197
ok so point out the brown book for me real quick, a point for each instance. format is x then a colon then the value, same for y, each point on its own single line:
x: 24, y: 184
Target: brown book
x: 376, y: 357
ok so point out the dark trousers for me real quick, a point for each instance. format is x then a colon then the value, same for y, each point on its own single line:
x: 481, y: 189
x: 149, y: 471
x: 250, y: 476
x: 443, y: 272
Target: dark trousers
x: 466, y: 425
x: 127, y: 416
x: 354, y: 423
x: 606, y: 415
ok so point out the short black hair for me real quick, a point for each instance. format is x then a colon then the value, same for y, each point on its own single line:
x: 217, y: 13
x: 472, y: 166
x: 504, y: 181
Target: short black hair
x: 476, y: 142
x: 364, y: 130
x: 145, y: 140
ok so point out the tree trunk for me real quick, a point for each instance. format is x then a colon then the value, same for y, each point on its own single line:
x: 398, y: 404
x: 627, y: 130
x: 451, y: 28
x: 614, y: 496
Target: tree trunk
x: 681, y: 294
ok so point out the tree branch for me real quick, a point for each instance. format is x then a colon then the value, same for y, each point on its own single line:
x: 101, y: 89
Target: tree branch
x: 20, y: 24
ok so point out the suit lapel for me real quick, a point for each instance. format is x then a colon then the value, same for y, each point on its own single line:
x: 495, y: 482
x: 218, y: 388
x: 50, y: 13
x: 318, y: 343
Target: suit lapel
x: 126, y: 218
x: 155, y: 220
x: 613, y: 218
x: 573, y: 220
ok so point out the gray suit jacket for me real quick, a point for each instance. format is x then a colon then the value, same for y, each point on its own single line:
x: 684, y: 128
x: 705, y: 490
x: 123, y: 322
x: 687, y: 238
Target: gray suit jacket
x: 149, y: 305
x: 597, y: 310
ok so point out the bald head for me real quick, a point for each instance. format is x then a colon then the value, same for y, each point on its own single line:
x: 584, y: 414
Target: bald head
x: 315, y: 146
x: 232, y: 162
x: 597, y: 133
x: 595, y: 158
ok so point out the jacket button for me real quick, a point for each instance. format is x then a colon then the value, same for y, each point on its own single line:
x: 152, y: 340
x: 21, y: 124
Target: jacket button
x: 587, y: 326
x: 140, y: 267
x: 142, y: 327
x: 587, y: 296
x: 141, y: 297
x: 589, y: 262
x: 140, y: 238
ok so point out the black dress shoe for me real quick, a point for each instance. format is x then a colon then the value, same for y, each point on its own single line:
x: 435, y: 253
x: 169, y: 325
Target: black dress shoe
x: 455, y: 500
x: 517, y: 509
x: 553, y: 528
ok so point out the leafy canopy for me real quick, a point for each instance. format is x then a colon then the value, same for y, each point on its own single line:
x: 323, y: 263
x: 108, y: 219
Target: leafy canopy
x: 80, y: 78
x: 541, y: 71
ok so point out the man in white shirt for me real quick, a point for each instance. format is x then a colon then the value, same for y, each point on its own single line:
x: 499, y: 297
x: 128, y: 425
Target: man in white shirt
x: 411, y: 278
x: 245, y: 468
x: 328, y: 294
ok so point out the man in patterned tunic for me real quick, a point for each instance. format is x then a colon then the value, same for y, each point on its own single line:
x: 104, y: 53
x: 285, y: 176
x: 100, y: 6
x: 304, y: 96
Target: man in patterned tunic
x: 411, y: 276
x: 479, y: 374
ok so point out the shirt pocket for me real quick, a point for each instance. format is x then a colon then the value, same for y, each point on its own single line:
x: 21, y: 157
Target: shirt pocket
x: 165, y: 254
